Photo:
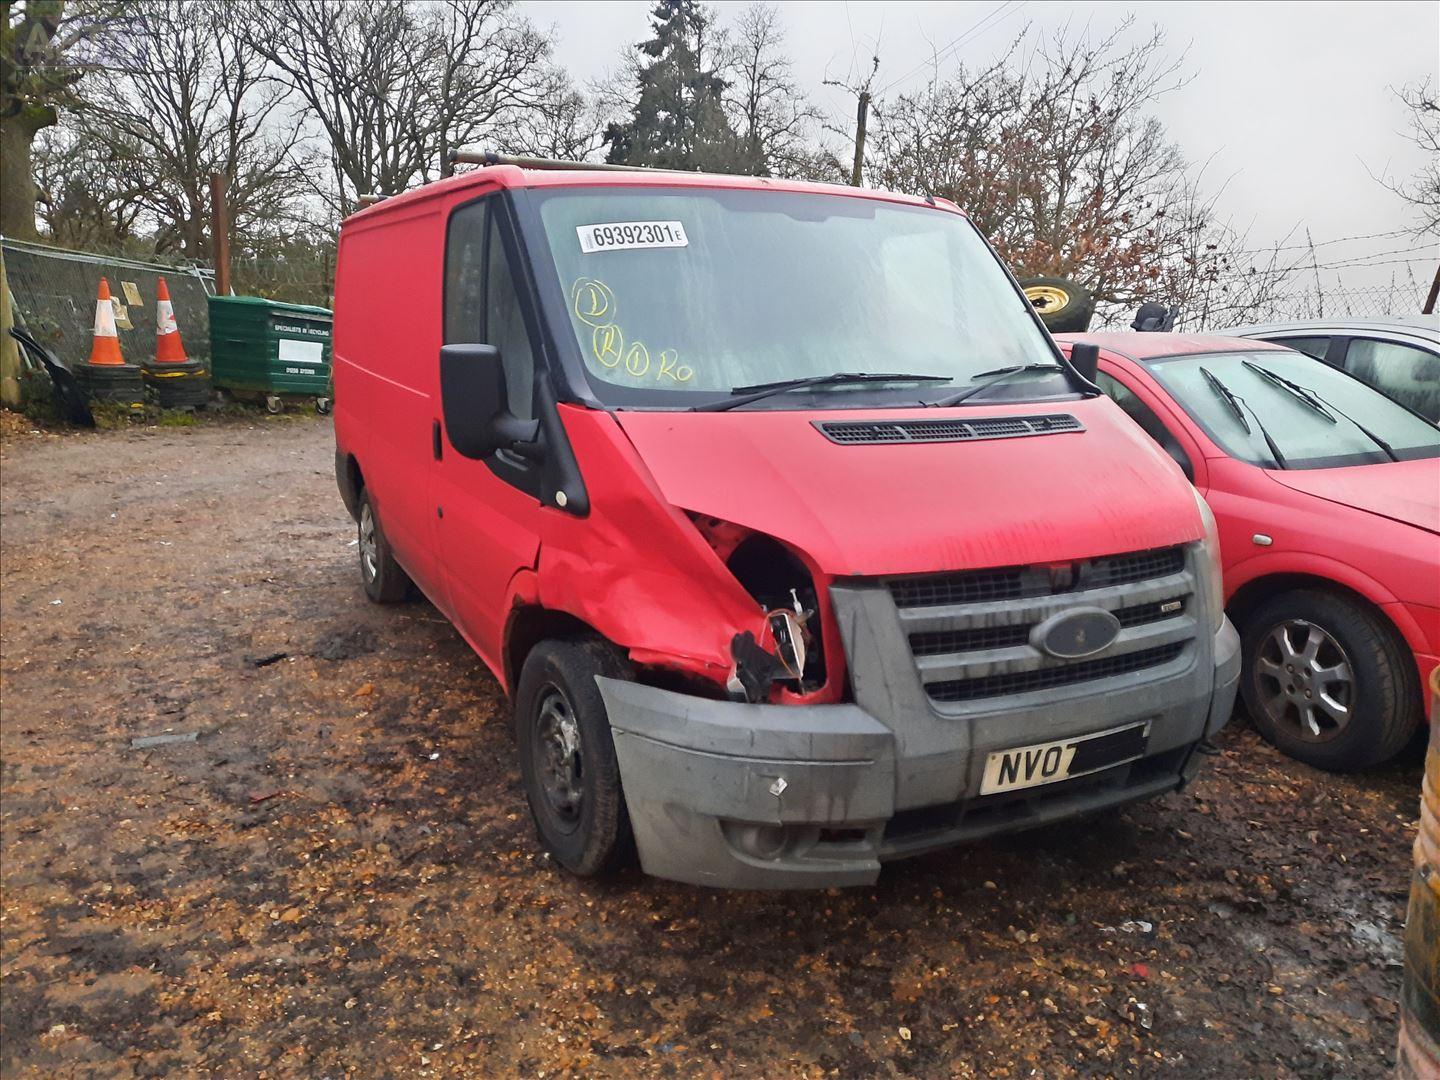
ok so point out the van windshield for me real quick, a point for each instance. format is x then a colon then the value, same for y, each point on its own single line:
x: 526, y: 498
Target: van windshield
x: 706, y: 290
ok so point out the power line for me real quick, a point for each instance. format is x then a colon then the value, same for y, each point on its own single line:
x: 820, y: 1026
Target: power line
x: 977, y: 28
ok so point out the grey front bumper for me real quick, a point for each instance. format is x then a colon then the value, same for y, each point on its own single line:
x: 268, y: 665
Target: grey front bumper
x: 779, y: 797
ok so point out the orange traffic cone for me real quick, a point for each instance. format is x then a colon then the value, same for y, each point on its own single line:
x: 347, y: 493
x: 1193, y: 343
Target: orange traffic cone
x: 105, y: 352
x: 169, y: 349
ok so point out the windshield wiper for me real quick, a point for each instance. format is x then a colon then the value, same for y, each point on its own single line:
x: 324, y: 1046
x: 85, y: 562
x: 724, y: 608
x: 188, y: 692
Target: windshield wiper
x: 1238, y: 407
x: 993, y: 378
x: 743, y: 395
x: 1295, y: 390
x: 1315, y: 401
x: 1225, y: 394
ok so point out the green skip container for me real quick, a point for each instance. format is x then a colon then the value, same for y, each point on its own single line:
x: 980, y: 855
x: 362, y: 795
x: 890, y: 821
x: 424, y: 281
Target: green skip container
x: 265, y: 349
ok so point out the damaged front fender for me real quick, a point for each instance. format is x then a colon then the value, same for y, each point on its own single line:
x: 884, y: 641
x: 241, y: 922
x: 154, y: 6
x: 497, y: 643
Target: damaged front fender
x: 636, y: 569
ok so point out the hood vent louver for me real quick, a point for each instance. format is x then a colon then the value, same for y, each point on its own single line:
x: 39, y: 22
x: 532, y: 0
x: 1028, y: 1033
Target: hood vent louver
x: 869, y: 432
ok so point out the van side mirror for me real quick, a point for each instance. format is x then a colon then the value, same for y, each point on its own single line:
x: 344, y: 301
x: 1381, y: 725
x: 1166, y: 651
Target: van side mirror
x: 473, y: 399
x: 1085, y: 358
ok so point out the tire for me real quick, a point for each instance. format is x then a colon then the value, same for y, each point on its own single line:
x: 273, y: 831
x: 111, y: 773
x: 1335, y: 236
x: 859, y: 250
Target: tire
x: 1064, y: 306
x: 273, y: 404
x: 322, y: 406
x: 567, y: 755
x: 1372, y: 680
x: 384, y: 581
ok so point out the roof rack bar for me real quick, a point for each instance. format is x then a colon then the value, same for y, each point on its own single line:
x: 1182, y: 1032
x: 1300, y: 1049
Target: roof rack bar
x: 489, y: 157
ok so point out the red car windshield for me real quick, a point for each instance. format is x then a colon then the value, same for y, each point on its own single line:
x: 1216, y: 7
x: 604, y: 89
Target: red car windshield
x: 706, y: 290
x: 1344, y: 422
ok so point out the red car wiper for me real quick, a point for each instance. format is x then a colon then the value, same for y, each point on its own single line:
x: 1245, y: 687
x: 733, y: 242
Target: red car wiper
x: 1239, y: 406
x: 1320, y: 405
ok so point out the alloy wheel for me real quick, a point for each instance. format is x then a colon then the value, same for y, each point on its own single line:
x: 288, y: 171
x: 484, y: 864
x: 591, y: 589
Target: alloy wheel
x: 369, y: 544
x: 1305, y: 681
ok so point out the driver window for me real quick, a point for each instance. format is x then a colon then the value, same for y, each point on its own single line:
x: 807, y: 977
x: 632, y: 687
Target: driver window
x: 1143, y: 415
x: 505, y: 329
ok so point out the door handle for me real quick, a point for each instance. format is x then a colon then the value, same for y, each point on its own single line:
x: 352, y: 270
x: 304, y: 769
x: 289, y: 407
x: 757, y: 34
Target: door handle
x: 435, y: 446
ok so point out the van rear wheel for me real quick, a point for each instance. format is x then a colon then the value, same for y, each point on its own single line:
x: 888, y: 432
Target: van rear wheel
x: 567, y: 755
x: 384, y: 581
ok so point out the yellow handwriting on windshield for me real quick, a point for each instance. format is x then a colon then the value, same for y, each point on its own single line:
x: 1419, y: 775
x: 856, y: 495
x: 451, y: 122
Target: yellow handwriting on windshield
x: 592, y: 301
x: 608, y: 344
x: 637, y: 360
x: 671, y: 368
x: 594, y: 304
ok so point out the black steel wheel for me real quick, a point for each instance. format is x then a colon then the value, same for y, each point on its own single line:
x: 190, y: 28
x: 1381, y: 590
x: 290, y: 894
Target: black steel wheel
x: 567, y: 755
x: 1328, y: 681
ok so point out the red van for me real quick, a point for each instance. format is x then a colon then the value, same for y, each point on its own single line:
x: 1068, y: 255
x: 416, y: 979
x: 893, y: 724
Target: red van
x: 795, y: 541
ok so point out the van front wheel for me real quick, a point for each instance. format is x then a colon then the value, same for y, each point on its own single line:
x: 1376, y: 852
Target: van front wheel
x: 384, y: 581
x: 567, y: 755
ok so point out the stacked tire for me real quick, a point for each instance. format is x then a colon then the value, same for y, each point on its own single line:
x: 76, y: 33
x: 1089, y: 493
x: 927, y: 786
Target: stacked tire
x: 115, y: 384
x: 1064, y: 306
x: 178, y: 386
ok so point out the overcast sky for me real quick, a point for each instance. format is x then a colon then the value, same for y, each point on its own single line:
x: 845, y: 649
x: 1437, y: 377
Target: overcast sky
x: 1290, y: 103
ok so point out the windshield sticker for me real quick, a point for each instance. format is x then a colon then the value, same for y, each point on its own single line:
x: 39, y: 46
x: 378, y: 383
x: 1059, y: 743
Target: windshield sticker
x: 619, y: 235
x: 593, y: 303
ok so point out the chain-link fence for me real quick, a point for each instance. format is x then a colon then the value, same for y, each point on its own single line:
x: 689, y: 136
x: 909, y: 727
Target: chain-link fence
x: 54, y: 292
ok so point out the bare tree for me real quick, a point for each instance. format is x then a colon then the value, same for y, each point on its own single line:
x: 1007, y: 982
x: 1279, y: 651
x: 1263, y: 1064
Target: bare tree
x: 772, y: 119
x: 82, y: 201
x: 1055, y: 159
x: 394, y: 85
x: 1422, y: 191
x: 188, y: 97
x: 46, y: 48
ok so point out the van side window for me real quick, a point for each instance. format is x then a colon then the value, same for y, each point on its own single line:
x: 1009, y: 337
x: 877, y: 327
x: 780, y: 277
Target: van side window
x: 465, y: 274
x: 505, y: 329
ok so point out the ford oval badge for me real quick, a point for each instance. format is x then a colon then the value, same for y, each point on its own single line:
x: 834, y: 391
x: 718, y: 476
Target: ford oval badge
x: 1076, y: 633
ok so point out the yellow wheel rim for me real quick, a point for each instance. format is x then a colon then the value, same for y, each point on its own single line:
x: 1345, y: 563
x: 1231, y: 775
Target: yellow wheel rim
x: 1047, y: 299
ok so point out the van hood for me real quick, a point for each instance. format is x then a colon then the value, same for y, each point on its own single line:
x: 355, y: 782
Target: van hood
x: 1404, y: 491
x: 866, y: 508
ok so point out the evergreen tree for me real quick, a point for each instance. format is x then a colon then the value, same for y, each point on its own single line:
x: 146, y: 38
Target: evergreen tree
x: 678, y: 120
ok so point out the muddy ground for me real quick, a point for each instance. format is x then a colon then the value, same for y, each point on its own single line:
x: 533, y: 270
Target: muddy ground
x: 338, y: 876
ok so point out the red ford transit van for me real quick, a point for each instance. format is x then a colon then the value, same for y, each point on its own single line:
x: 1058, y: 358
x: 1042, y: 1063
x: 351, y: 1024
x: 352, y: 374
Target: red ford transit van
x: 794, y: 540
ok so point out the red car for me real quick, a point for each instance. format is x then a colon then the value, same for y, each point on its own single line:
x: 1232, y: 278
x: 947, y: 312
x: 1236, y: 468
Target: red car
x: 1327, y: 494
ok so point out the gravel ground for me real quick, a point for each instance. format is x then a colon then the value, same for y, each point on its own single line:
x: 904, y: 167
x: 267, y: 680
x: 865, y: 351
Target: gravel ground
x: 337, y: 876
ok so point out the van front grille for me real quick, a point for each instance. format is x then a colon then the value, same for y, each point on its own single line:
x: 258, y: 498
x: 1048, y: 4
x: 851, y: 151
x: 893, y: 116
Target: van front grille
x: 1023, y: 682
x: 1002, y: 637
x: 969, y: 632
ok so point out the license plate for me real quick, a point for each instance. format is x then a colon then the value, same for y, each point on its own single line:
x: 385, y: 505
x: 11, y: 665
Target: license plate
x: 1051, y: 762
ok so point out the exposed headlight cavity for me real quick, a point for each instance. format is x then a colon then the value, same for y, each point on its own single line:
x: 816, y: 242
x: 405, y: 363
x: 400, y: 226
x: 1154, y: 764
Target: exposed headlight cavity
x: 780, y: 583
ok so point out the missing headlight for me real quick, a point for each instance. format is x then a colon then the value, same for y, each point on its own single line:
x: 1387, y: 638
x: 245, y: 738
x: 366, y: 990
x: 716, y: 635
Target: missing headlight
x: 783, y: 587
